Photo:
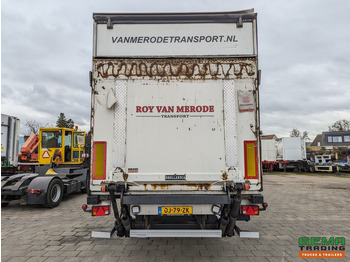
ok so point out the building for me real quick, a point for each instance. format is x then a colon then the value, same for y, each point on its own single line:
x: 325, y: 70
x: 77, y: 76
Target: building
x: 317, y: 140
x: 338, y: 138
x: 332, y: 139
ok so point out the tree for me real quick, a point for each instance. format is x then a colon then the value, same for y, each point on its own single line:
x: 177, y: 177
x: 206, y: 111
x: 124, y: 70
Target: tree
x: 63, y: 122
x: 34, y: 126
x: 305, y: 135
x: 296, y: 133
x: 340, y: 125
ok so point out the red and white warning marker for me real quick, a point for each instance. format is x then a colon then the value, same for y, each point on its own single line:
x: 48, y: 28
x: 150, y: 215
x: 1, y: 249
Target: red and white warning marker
x: 46, y: 155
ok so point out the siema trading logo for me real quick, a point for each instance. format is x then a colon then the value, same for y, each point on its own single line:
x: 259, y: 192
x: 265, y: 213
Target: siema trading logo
x: 322, y: 247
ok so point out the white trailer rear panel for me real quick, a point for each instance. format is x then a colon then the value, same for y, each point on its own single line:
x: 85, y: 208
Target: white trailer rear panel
x: 10, y: 126
x: 175, y: 111
x: 268, y: 150
x: 291, y: 149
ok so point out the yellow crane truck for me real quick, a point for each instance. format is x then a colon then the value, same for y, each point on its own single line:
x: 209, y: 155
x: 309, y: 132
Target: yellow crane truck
x: 63, y: 169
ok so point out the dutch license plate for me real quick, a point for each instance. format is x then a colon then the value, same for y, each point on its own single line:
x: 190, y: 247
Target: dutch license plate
x: 174, y: 210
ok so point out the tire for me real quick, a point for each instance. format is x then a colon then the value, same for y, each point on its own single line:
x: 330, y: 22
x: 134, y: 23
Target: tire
x: 4, y: 204
x: 312, y: 169
x: 54, y: 193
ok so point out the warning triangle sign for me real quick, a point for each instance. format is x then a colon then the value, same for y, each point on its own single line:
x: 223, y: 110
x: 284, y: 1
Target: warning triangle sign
x: 46, y: 155
x: 250, y: 211
x: 100, y: 212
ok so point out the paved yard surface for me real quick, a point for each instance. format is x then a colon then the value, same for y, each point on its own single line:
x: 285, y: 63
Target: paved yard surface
x: 298, y: 206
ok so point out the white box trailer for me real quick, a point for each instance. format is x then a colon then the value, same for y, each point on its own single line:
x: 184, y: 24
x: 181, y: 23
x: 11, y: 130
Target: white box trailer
x: 291, y: 149
x: 10, y: 126
x: 268, y: 150
x: 286, y: 153
x: 175, y: 123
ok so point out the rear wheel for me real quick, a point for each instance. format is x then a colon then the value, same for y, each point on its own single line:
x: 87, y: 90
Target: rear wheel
x: 54, y: 193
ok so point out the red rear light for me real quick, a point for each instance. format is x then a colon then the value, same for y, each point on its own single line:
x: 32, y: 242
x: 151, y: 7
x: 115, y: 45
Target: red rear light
x: 265, y: 205
x: 250, y: 210
x: 34, y: 191
x: 100, y: 210
x: 84, y: 207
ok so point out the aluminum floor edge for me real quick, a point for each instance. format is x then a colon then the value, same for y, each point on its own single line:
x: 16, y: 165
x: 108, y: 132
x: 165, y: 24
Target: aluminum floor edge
x: 143, y: 233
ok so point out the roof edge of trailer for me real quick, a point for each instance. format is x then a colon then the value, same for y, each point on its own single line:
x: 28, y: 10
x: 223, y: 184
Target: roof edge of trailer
x: 175, y: 18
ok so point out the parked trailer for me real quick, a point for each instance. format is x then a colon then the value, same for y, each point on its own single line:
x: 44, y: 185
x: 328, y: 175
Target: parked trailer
x: 291, y: 148
x: 63, y: 169
x: 175, y: 123
x: 331, y: 161
x: 286, y: 153
x: 10, y: 126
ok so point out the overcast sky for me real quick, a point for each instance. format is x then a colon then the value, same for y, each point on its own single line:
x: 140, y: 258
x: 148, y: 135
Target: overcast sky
x: 304, y: 55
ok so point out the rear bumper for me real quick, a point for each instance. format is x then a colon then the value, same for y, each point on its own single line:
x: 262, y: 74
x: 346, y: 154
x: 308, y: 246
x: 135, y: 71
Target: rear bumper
x: 162, y: 199
x: 142, y: 233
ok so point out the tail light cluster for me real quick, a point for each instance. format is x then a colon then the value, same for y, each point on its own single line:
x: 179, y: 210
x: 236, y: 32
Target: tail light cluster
x: 253, y: 210
x: 250, y: 210
x: 100, y: 210
x: 34, y: 191
x: 97, y: 210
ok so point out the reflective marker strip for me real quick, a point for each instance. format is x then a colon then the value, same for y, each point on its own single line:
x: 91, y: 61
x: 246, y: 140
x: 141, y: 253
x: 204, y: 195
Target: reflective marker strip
x: 251, y: 160
x: 99, y: 164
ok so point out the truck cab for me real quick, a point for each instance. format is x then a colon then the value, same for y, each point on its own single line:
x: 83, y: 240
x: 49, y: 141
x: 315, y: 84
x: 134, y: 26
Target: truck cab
x: 61, y: 146
x: 63, y: 169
